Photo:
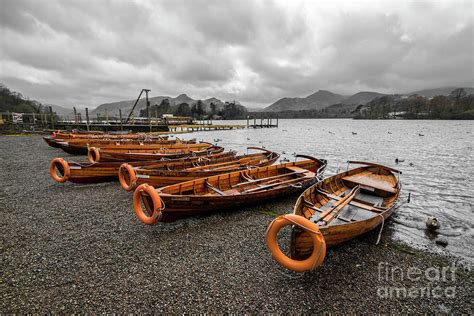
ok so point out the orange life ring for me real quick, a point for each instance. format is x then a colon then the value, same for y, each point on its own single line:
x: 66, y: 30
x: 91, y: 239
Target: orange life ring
x: 93, y: 154
x: 319, y: 245
x: 127, y: 177
x: 153, y: 212
x: 64, y: 165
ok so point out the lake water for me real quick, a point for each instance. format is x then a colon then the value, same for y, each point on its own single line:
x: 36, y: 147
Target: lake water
x: 438, y: 167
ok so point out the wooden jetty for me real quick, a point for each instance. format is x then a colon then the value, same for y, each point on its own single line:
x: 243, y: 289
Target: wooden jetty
x: 262, y: 122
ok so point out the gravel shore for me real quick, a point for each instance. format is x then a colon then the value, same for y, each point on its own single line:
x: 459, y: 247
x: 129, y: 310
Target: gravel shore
x: 70, y: 248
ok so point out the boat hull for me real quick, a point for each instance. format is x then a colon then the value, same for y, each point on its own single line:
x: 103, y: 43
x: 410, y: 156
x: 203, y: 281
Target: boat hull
x: 182, y: 207
x: 237, y: 189
x: 385, y: 191
x: 160, y: 177
x: 108, y: 171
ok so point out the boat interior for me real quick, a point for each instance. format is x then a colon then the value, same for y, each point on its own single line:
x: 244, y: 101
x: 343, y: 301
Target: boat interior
x: 355, y: 195
x: 246, y: 181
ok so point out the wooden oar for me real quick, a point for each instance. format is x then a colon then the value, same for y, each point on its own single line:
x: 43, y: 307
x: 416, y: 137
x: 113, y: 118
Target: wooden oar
x: 271, y: 185
x: 357, y: 203
x: 338, y: 206
x: 213, y: 188
x: 271, y: 178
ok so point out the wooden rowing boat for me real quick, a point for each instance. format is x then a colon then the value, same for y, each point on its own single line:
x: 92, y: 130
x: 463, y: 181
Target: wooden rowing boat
x: 77, y: 172
x: 57, y: 138
x: 81, y: 147
x: 51, y: 141
x: 335, y: 210
x: 102, y: 135
x: 99, y: 154
x: 225, y: 191
x: 157, y: 176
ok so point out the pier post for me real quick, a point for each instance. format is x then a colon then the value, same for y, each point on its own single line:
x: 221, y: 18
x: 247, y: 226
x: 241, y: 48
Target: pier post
x: 148, y: 111
x: 277, y: 120
x: 254, y: 122
x: 247, y: 121
x: 121, y: 122
x: 87, y: 119
x: 75, y: 114
x: 52, y: 117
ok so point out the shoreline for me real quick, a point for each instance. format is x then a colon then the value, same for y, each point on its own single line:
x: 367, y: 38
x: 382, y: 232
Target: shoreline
x: 69, y: 248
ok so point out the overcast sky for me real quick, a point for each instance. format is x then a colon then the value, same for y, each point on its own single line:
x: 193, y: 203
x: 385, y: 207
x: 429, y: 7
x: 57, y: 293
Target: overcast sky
x: 85, y: 53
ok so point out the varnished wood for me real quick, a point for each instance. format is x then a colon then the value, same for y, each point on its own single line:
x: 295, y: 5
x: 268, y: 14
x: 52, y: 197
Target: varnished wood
x: 156, y: 154
x: 158, y: 176
x: 234, y: 190
x: 343, y: 205
x: 86, y: 172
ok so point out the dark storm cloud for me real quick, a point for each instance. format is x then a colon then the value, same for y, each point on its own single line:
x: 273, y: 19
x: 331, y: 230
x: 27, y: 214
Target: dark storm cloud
x: 90, y: 52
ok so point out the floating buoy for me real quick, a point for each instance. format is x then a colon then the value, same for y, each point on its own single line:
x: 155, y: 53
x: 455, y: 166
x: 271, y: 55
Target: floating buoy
x: 354, y: 133
x: 432, y: 223
x: 390, y: 132
x: 419, y: 134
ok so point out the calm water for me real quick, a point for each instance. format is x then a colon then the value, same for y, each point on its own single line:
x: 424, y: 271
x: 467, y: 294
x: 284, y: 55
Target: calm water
x: 438, y: 167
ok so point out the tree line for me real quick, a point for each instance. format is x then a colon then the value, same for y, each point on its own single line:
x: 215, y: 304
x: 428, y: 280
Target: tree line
x: 457, y: 105
x: 198, y: 110
x: 15, y: 102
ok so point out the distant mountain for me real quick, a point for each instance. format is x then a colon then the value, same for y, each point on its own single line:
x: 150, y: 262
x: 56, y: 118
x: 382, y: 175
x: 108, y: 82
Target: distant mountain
x: 113, y: 107
x: 439, y: 91
x: 324, y: 99
x: 362, y: 97
x: 62, y: 111
x: 316, y: 101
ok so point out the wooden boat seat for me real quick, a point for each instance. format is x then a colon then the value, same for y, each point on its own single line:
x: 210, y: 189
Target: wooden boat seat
x: 368, y: 182
x: 213, y: 188
x: 269, y: 178
x: 272, y: 185
x: 357, y: 203
x: 295, y: 169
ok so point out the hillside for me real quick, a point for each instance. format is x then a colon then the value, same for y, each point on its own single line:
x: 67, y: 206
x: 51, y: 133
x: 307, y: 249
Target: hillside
x: 113, y: 107
x: 324, y: 99
x: 439, y: 91
x: 15, y: 102
x: 316, y: 101
x: 361, y: 98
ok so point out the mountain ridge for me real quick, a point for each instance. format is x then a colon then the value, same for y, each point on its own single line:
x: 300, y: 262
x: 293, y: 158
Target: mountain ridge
x: 126, y: 105
x: 323, y: 99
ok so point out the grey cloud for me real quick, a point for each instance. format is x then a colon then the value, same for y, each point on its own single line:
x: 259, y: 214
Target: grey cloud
x: 90, y: 52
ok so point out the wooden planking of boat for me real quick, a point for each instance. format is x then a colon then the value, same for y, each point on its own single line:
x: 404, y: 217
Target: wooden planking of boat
x: 80, y: 147
x: 85, y: 172
x: 157, y: 176
x: 335, y: 210
x: 102, y: 135
x: 124, y: 155
x: 226, y: 191
x: 57, y: 138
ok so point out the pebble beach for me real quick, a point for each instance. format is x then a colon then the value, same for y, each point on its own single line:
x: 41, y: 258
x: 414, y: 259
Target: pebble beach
x: 79, y: 248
